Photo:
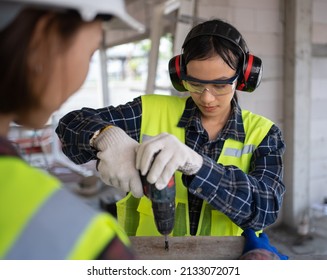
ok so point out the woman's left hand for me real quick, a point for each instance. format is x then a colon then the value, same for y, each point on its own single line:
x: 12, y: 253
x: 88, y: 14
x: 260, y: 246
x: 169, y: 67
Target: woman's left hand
x: 160, y: 156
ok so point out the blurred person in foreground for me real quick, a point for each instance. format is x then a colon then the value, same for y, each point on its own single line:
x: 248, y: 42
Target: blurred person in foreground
x: 45, y: 50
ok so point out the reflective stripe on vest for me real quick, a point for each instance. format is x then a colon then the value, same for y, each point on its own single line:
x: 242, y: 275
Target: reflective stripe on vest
x: 36, y: 244
x: 247, y: 149
x: 43, y: 221
x: 161, y: 114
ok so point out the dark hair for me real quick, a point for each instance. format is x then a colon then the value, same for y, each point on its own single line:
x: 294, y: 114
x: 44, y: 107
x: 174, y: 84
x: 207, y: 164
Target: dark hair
x: 202, y: 43
x: 16, y: 94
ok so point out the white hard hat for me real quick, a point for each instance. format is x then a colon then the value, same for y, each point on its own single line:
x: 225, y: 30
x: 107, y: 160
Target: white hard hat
x: 88, y: 9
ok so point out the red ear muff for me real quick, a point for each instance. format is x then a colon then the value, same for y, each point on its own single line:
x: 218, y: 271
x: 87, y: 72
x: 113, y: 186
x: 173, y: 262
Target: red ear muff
x: 175, y: 69
x: 252, y: 74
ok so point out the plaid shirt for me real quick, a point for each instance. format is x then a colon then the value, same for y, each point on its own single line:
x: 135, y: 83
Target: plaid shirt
x: 250, y: 200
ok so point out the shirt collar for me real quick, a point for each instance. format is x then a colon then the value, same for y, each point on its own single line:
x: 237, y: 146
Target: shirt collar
x: 233, y: 129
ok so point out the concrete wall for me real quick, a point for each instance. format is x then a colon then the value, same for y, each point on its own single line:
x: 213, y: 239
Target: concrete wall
x: 318, y: 163
x: 318, y: 156
x: 319, y: 30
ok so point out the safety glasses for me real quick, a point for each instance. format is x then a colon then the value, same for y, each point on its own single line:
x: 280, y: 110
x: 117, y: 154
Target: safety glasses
x: 217, y: 87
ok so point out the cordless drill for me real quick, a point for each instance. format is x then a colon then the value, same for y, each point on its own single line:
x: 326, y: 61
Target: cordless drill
x: 163, y: 206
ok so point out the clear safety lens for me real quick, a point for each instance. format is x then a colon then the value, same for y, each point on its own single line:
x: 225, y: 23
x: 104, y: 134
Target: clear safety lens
x: 214, y: 89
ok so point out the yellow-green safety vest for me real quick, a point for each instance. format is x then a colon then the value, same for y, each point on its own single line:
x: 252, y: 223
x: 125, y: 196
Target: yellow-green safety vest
x: 41, y: 220
x: 162, y: 113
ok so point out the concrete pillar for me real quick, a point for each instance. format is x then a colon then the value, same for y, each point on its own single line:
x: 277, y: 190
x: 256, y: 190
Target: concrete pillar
x: 297, y: 66
x: 185, y: 8
x: 104, y: 76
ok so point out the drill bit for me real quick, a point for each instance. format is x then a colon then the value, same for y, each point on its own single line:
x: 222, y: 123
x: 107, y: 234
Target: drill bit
x: 166, y: 243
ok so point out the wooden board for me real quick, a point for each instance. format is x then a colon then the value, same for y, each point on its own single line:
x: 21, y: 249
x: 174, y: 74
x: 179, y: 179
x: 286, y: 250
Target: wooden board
x: 187, y: 248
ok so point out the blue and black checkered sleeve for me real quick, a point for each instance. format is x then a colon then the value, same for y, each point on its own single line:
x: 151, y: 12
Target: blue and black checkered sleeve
x: 76, y: 128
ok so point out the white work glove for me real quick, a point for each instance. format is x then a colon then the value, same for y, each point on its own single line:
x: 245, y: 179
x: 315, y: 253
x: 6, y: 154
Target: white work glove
x: 172, y: 155
x: 117, y: 153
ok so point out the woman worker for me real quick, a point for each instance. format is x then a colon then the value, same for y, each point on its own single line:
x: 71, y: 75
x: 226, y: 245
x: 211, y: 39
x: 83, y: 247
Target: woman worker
x: 227, y: 161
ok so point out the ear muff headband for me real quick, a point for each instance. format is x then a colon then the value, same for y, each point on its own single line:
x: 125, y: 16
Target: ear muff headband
x: 252, y: 65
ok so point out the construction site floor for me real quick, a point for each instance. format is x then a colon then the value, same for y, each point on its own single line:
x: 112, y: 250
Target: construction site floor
x: 312, y: 246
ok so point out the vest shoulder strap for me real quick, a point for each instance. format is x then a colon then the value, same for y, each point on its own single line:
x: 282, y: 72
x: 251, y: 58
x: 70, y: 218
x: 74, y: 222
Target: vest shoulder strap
x: 256, y: 127
x: 161, y: 113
